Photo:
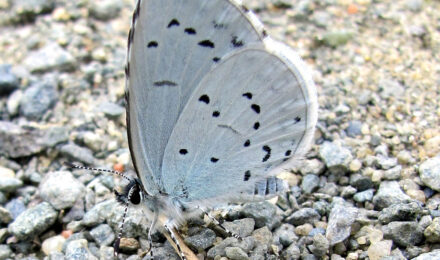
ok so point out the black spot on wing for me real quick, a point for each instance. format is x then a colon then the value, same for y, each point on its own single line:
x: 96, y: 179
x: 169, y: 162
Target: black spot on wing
x: 247, y: 143
x: 268, y: 150
x: 173, y: 22
x: 256, y: 108
x: 236, y: 42
x: 219, y: 26
x: 204, y: 99
x: 214, y: 160
x: 288, y: 153
x: 206, y: 44
x: 183, y: 151
x: 164, y: 83
x: 190, y: 31
x: 215, y: 114
x: 216, y: 59
x: 297, y: 119
x: 152, y: 44
x: 247, y: 95
x: 256, y: 125
x: 247, y: 175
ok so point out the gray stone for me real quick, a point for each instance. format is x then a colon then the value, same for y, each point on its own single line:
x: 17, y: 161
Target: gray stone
x: 335, y: 38
x: 330, y: 188
x: 261, y: 212
x: 393, y: 173
x: 316, y: 231
x: 55, y: 256
x: 354, y: 128
x: 292, y: 252
x: 339, y: 223
x: 5, y: 216
x: 75, y: 213
x: 320, y: 245
x: 61, y: 189
x: 432, y: 232
x: 430, y: 173
x: 5, y: 252
x: 111, y: 110
x: 219, y: 249
x: 385, y: 162
x: 78, y: 249
x: 425, y: 221
x: 33, y: 221
x: 312, y: 166
x: 106, y: 253
x: 37, y: 99
x: 389, y: 193
x: 236, y: 253
x: 135, y: 223
x: 321, y: 18
x: 201, y: 240
x: 404, y: 233
x: 390, y: 88
x: 78, y: 153
x: 360, y: 182
x: 310, y: 183
x: 9, y: 185
x: 336, y: 157
x: 15, y: 207
x: 166, y: 252
x: 105, y: 9
x: 433, y: 255
x: 14, y: 101
x: 262, y: 236
x: 103, y: 235
x: 322, y: 207
x: 100, y: 212
x: 302, y: 216
x: 242, y: 227
x: 8, y: 81
x: 22, y: 142
x: 25, y: 11
x: 285, y: 235
x: 50, y: 57
x: 414, y: 5
x: 366, y: 195
x: 400, y: 212
x: 348, y: 191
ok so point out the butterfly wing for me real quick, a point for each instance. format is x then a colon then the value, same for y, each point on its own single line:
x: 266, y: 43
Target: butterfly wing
x: 172, y: 45
x: 252, y: 113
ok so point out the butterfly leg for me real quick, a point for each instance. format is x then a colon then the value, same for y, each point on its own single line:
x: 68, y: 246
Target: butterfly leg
x: 173, y: 237
x: 230, y: 233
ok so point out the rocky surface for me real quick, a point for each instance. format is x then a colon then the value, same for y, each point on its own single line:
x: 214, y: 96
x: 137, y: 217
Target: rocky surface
x: 368, y: 189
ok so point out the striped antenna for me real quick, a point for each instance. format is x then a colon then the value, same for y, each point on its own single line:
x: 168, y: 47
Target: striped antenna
x: 71, y: 165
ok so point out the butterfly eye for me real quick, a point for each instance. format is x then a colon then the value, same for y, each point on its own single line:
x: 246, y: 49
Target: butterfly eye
x: 135, y: 195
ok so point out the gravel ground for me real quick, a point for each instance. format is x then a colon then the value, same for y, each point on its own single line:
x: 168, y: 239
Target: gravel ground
x: 369, y: 188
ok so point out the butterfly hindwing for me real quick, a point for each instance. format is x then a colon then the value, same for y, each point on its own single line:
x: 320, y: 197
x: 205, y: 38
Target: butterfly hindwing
x: 172, y: 45
x: 250, y: 114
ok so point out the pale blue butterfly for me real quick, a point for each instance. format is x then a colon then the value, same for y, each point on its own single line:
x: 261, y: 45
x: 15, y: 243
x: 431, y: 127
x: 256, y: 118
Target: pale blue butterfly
x: 215, y: 107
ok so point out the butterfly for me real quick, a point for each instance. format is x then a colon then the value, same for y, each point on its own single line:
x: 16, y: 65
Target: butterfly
x: 215, y: 107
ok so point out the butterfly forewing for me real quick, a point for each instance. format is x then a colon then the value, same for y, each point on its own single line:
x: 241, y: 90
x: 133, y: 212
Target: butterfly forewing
x: 173, y: 44
x: 248, y: 115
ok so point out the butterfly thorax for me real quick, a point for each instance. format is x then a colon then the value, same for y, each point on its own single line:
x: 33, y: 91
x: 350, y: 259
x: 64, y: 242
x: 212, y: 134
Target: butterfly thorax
x: 165, y: 208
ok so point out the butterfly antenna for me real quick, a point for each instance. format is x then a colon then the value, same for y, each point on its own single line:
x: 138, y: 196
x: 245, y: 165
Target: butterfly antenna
x: 71, y: 165
x: 118, y: 240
